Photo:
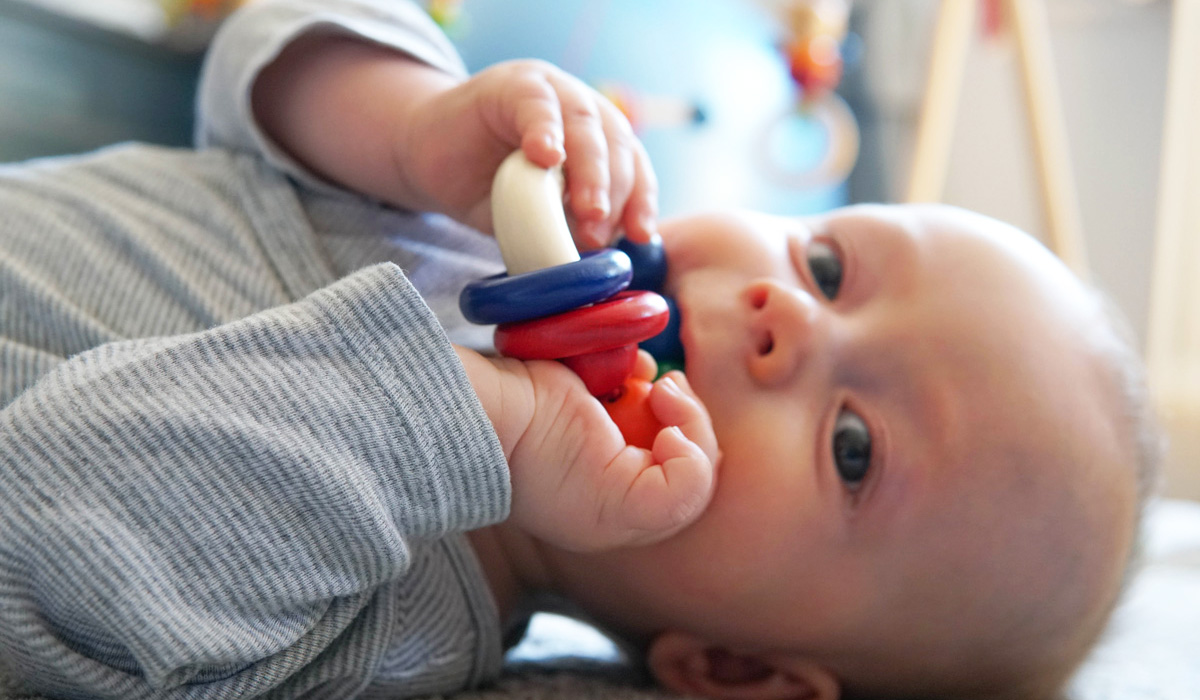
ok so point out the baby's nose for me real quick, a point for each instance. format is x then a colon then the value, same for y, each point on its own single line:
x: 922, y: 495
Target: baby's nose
x: 786, y: 323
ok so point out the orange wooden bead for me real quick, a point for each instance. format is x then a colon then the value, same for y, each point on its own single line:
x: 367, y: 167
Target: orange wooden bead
x: 629, y: 408
x: 816, y: 63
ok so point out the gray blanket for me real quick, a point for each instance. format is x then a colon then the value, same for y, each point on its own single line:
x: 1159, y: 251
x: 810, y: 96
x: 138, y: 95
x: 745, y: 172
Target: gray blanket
x: 1151, y: 650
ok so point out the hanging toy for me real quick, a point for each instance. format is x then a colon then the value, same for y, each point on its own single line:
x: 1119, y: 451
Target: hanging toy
x: 646, y: 110
x: 553, y: 304
x: 813, y: 51
x: 446, y: 13
x: 816, y: 31
x: 176, y: 12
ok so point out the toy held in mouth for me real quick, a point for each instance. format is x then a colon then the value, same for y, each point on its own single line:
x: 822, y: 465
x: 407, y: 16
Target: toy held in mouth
x: 553, y: 304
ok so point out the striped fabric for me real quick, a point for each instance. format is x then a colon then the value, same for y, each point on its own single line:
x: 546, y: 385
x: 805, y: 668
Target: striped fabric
x: 223, y: 471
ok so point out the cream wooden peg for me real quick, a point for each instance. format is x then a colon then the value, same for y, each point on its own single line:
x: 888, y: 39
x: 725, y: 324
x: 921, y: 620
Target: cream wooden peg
x: 528, y: 218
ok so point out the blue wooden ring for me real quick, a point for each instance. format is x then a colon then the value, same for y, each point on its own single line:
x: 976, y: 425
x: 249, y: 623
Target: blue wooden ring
x: 666, y: 347
x: 649, y: 264
x: 503, y: 298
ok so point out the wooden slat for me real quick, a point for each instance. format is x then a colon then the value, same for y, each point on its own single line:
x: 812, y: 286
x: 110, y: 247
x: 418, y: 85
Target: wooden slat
x: 1173, y: 350
x: 943, y: 88
x: 1064, y: 230
x: 935, y: 132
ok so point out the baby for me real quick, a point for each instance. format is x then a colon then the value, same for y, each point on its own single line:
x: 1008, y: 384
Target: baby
x: 929, y: 479
x: 906, y: 456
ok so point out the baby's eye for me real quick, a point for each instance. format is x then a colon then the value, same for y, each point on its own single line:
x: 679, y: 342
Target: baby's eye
x: 826, y: 268
x: 851, y: 448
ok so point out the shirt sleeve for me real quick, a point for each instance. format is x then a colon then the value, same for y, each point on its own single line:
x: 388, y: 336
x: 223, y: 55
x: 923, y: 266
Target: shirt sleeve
x: 210, y: 513
x: 255, y: 35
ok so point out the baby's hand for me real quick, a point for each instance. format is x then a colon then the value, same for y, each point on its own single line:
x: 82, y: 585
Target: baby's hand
x: 457, y: 139
x: 578, y: 485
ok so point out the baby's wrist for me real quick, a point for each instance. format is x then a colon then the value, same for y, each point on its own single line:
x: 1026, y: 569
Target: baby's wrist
x: 505, y: 390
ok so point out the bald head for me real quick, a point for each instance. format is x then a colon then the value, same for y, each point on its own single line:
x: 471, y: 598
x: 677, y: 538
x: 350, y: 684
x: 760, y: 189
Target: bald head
x: 1027, y: 548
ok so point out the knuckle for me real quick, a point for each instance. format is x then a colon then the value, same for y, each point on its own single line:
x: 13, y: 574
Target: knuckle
x: 622, y: 131
x: 528, y: 66
x: 582, y: 113
x: 522, y: 78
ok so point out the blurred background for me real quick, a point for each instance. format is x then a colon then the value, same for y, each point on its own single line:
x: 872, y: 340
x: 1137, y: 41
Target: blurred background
x: 731, y: 113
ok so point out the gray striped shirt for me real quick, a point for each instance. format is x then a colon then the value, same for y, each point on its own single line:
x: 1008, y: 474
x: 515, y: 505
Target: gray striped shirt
x: 235, y: 455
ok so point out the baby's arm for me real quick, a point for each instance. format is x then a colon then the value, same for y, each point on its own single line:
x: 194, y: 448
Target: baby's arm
x: 217, y: 513
x: 380, y: 117
x: 575, y: 482
x: 253, y: 38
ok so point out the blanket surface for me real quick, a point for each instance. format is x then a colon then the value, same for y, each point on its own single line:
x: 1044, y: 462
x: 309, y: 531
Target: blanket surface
x: 1151, y: 650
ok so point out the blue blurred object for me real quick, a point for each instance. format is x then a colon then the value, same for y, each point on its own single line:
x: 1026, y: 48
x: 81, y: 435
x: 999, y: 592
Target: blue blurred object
x: 650, y: 273
x: 597, y: 275
x: 666, y: 347
x: 649, y: 264
x: 719, y: 57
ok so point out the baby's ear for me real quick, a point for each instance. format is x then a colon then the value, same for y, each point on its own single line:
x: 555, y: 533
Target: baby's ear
x: 692, y: 666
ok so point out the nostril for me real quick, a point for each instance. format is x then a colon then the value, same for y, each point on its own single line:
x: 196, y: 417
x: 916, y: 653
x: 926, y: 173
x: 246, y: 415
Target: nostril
x: 758, y: 297
x: 766, y: 343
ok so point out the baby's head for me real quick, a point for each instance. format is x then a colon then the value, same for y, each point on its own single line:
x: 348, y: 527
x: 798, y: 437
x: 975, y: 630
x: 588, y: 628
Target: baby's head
x: 930, y: 479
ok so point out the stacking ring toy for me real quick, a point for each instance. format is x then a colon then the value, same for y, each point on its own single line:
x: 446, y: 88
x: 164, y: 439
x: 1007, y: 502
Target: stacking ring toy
x: 666, y: 346
x: 649, y: 264
x: 506, y: 298
x: 605, y: 371
x: 626, y: 319
x: 553, y: 305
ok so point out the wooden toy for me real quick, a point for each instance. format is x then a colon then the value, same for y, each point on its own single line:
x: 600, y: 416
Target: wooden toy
x: 813, y: 50
x: 625, y: 319
x: 554, y: 304
x: 507, y: 298
x: 649, y: 264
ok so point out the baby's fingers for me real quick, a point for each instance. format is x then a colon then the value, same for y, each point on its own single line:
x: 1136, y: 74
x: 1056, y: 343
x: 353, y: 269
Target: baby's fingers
x: 688, y: 474
x: 521, y: 106
x: 633, y: 188
x: 645, y: 367
x: 674, y: 403
x: 639, y: 216
x: 664, y: 495
x: 587, y: 164
x: 671, y: 492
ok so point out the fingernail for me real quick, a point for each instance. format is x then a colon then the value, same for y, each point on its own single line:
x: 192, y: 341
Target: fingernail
x: 586, y: 235
x: 598, y: 197
x: 598, y: 238
x: 681, y: 382
x: 650, y: 226
x: 555, y: 143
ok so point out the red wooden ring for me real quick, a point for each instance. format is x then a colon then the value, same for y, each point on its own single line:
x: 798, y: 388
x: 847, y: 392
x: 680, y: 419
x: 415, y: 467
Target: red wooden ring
x: 603, y: 372
x: 629, y: 317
